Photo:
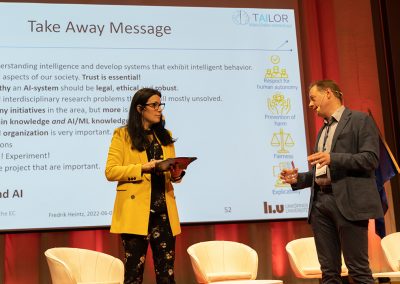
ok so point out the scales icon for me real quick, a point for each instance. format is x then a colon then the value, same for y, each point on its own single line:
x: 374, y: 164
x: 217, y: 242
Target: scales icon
x: 282, y: 140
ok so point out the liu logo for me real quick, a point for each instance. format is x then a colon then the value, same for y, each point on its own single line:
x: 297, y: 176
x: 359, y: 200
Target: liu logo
x: 268, y: 209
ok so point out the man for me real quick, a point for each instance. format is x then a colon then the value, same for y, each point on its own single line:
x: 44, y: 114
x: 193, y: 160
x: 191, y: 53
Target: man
x: 343, y: 190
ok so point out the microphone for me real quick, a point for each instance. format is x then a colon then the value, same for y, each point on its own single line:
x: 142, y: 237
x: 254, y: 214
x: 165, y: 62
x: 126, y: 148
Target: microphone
x: 319, y: 107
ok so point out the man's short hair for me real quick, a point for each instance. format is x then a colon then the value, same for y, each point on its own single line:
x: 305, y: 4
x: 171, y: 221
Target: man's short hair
x: 328, y: 84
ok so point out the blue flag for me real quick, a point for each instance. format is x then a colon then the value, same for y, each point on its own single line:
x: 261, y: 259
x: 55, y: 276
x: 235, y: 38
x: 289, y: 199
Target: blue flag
x: 386, y: 170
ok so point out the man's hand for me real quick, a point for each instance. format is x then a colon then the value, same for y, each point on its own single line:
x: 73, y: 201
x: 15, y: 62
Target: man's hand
x: 289, y: 175
x: 321, y: 158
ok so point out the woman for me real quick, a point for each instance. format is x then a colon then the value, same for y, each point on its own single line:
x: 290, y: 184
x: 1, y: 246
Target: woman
x: 145, y: 210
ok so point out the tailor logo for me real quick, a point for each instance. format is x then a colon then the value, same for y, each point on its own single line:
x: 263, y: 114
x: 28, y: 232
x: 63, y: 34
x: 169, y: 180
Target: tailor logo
x: 269, y: 209
x: 241, y: 17
x: 255, y: 18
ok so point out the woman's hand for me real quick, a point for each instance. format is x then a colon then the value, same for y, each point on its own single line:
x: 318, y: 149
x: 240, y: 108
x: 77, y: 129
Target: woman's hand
x: 176, y: 172
x: 150, y: 167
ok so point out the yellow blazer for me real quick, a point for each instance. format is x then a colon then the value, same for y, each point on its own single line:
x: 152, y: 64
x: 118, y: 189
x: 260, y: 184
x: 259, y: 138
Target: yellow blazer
x: 132, y: 203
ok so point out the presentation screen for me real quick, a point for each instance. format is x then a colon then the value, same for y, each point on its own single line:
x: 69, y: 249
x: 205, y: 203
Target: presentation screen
x: 229, y: 77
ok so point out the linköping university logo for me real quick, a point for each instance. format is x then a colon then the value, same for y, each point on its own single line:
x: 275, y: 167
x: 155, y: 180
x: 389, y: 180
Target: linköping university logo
x: 268, y: 209
x: 240, y: 17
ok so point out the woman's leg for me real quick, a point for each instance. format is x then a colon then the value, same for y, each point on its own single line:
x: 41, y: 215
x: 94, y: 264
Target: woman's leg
x: 135, y: 255
x: 162, y: 244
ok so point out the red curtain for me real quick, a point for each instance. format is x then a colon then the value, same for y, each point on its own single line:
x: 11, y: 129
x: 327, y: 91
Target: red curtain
x: 337, y: 43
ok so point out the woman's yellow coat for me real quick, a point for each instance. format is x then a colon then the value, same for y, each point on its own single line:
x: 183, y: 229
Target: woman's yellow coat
x: 132, y: 202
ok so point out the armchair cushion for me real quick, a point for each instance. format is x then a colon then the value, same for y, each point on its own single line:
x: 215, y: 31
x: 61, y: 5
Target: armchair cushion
x: 233, y: 275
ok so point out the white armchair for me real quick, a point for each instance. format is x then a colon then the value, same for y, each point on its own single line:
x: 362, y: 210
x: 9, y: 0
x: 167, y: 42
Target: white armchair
x: 225, y: 262
x: 80, y: 266
x: 391, y: 249
x: 304, y: 260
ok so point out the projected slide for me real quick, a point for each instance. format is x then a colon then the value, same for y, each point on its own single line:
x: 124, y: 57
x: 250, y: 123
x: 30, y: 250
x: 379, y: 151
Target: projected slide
x: 230, y: 80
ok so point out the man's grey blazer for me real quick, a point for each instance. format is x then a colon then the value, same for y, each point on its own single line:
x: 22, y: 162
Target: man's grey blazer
x: 354, y: 158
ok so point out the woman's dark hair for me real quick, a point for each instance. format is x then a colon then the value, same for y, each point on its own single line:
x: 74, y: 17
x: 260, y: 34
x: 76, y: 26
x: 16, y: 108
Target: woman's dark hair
x: 135, y: 125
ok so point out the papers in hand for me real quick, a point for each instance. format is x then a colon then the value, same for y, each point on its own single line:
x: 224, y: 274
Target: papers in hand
x: 180, y: 162
x: 320, y: 171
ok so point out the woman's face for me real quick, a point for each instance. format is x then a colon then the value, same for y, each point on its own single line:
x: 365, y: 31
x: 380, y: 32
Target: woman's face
x: 151, y: 112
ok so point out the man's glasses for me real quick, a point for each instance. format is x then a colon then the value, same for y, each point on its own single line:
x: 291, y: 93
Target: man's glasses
x: 156, y: 106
